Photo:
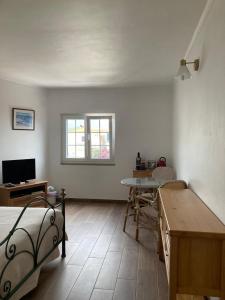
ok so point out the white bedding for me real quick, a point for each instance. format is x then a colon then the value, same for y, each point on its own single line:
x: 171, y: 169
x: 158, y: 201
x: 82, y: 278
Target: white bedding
x: 22, y: 263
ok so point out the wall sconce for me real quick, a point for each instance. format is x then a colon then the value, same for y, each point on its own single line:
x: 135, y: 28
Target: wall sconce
x: 183, y: 71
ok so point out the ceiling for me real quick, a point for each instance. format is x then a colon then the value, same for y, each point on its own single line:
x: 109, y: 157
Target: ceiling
x: 95, y: 42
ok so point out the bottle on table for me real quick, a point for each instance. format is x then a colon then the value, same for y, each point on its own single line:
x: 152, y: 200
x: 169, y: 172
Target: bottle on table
x: 138, y: 161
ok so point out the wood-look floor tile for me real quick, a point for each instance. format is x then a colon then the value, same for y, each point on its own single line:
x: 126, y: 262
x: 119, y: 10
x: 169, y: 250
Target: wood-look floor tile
x: 147, y: 275
x: 129, y: 263
x: 101, y: 246
x: 70, y: 249
x: 130, y: 242
x: 102, y: 295
x: 81, y: 231
x: 55, y: 283
x: 63, y: 284
x: 162, y: 280
x: 84, y: 285
x: 125, y: 290
x: 113, y: 220
x: 80, y: 256
x: 117, y: 242
x: 109, y: 271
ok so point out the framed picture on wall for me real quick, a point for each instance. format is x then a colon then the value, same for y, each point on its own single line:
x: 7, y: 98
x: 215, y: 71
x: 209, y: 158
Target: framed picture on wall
x: 23, y: 119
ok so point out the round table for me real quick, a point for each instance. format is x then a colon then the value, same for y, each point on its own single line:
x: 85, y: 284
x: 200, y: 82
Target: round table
x: 137, y: 185
x: 141, y: 183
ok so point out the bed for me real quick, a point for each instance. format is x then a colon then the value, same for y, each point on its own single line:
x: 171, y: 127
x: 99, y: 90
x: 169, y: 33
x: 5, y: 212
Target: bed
x: 29, y: 239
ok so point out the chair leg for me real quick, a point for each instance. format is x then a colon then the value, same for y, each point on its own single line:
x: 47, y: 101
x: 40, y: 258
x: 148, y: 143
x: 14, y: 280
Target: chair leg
x: 135, y: 216
x: 126, y: 216
x: 134, y: 205
x: 137, y: 223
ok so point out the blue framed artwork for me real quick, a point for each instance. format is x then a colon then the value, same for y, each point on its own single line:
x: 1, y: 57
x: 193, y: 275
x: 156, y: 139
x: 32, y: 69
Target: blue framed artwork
x: 23, y: 119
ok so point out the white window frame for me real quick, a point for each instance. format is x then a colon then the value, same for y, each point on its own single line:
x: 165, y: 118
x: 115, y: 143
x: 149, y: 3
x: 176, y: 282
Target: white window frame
x: 88, y: 160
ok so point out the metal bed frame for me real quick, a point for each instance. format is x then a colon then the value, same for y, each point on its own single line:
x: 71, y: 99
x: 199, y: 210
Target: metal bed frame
x: 10, y: 249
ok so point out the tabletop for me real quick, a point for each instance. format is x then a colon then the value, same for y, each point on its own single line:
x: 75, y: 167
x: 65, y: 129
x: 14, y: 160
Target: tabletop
x: 145, y: 182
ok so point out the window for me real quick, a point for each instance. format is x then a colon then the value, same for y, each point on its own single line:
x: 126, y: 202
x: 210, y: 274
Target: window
x: 88, y: 138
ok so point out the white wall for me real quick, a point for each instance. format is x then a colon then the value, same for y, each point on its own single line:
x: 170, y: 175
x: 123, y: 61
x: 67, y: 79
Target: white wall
x: 199, y: 127
x: 20, y: 144
x: 143, y: 123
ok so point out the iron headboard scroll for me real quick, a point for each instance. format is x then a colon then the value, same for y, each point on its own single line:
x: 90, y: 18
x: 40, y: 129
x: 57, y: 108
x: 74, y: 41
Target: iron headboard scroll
x: 7, y: 287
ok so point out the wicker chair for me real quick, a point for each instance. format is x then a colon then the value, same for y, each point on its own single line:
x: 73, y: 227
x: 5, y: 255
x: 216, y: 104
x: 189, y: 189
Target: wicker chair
x: 148, y: 202
x: 161, y: 174
x: 150, y: 207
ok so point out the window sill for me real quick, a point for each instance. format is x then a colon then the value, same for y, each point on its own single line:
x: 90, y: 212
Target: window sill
x: 93, y: 163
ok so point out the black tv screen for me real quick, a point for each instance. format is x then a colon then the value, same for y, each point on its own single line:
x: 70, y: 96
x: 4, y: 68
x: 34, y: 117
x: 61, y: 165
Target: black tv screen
x: 16, y: 171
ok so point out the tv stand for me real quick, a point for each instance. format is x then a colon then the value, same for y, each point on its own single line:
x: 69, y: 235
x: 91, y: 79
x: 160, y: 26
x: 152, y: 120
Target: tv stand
x: 21, y: 194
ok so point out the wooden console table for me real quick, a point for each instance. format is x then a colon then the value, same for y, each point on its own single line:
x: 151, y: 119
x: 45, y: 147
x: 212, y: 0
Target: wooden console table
x: 193, y: 244
x: 20, y: 194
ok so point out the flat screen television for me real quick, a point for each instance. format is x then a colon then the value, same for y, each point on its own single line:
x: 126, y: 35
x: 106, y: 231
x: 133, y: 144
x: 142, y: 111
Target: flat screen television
x: 16, y: 171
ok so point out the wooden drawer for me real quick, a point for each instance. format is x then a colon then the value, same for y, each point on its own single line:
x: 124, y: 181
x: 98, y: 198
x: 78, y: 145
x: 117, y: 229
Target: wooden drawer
x: 22, y: 201
x: 167, y: 242
x: 164, y: 231
x: 167, y: 263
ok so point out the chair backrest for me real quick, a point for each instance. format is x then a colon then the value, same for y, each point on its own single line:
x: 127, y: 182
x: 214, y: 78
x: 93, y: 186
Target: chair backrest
x: 164, y: 173
x: 175, y: 185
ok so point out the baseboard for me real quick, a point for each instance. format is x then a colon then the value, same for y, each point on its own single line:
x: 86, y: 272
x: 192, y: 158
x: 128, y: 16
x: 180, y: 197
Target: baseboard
x: 85, y: 200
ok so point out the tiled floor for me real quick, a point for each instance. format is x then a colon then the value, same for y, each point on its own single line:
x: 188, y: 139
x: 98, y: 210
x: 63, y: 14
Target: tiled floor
x: 102, y: 262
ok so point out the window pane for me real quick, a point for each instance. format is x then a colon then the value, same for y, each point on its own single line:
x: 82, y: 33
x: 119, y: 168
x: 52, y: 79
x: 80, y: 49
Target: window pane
x: 105, y: 152
x: 79, y: 125
x: 95, y: 139
x: 104, y: 125
x: 80, y: 139
x: 71, y: 139
x: 104, y: 138
x: 70, y: 125
x: 94, y: 125
x: 80, y: 152
x: 95, y: 152
x: 70, y: 151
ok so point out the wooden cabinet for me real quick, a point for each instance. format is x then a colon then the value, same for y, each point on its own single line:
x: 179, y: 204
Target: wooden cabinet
x: 20, y: 194
x: 193, y: 244
x: 142, y: 173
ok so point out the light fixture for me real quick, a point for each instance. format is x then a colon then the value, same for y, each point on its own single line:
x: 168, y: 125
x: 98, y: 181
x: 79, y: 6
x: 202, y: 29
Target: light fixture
x: 183, y: 71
